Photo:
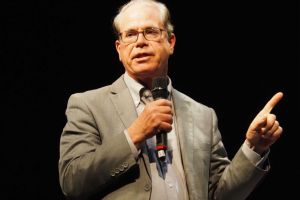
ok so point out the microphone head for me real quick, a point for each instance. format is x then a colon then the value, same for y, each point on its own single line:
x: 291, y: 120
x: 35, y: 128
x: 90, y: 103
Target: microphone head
x: 160, y: 87
x: 160, y: 81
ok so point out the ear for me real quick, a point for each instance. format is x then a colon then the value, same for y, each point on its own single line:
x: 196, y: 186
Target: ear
x: 117, y: 45
x: 172, y: 41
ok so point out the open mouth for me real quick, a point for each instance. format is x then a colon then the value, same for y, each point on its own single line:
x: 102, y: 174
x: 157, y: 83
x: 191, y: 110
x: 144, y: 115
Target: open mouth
x: 142, y: 56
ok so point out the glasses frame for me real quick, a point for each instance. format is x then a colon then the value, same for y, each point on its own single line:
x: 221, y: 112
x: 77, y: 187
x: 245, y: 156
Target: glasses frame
x: 144, y: 34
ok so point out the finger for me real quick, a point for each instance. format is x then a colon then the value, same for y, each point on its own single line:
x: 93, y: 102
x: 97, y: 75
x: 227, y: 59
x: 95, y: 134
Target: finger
x: 159, y: 110
x: 258, y: 123
x: 158, y: 118
x: 166, y: 118
x: 273, y: 129
x: 271, y: 118
x: 275, y: 135
x: 278, y: 133
x: 163, y: 102
x: 272, y: 103
x: 152, y: 109
x: 164, y: 126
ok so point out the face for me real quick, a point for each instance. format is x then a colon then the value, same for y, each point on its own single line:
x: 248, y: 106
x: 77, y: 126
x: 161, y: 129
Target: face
x: 144, y: 59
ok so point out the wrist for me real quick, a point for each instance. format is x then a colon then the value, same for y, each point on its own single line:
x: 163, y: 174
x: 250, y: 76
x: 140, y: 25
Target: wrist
x: 255, y: 148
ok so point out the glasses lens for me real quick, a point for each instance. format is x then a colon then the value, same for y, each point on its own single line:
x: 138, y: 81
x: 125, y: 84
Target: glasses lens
x: 129, y: 36
x: 152, y: 33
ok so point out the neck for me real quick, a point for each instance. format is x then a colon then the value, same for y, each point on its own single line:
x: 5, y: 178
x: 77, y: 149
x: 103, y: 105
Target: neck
x: 147, y: 82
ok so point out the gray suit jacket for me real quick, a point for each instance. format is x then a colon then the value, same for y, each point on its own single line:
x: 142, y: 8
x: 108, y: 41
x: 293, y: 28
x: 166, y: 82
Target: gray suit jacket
x: 96, y: 161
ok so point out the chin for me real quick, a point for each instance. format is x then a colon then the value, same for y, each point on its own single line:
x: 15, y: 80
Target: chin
x: 145, y: 69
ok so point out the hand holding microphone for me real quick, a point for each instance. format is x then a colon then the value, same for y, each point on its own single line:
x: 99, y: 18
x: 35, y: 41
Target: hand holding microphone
x: 156, y: 117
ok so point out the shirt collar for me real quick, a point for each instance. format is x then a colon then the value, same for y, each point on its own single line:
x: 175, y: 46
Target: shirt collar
x: 135, y: 87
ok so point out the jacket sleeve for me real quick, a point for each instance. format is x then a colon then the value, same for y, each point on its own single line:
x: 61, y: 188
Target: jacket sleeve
x: 234, y: 179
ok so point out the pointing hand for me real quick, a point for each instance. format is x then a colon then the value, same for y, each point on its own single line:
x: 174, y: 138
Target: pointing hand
x: 264, y: 130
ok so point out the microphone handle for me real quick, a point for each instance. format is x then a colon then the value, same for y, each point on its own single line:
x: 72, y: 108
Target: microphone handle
x: 161, y: 145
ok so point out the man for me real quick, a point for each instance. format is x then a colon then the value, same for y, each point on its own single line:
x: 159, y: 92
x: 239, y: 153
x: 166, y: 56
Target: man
x: 107, y: 148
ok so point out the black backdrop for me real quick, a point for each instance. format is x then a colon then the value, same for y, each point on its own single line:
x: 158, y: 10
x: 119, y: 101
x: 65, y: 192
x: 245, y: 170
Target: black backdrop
x: 232, y: 56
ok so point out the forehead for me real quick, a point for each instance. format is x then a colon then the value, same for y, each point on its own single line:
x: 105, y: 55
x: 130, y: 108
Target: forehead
x: 140, y: 16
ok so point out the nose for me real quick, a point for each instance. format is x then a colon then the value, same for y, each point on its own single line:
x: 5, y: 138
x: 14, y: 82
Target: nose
x: 141, y: 39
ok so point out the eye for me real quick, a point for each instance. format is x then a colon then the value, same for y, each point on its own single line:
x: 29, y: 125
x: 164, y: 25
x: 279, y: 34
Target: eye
x: 152, y: 31
x: 130, y: 34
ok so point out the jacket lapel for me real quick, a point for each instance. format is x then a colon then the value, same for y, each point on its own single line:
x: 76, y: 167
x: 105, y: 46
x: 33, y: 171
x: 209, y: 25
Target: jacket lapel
x: 184, y: 131
x: 122, y: 100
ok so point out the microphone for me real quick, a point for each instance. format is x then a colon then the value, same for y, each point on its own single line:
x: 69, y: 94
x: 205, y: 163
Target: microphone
x: 160, y: 91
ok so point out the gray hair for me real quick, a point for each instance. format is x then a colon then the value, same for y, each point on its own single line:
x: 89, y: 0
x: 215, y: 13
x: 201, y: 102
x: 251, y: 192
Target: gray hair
x: 164, y: 13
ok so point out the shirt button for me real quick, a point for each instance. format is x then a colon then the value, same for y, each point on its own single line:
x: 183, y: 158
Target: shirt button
x: 147, y: 187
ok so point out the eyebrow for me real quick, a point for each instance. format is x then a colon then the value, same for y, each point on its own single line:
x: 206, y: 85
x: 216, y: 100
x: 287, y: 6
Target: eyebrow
x: 132, y: 29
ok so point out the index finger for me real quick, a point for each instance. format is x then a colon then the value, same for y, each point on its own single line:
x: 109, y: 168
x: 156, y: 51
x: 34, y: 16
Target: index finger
x: 272, y: 103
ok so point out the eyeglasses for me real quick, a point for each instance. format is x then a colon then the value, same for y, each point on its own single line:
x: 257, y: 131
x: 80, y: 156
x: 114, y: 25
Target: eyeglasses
x: 150, y: 33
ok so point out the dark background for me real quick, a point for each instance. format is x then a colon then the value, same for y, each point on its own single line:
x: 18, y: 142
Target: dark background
x: 232, y: 56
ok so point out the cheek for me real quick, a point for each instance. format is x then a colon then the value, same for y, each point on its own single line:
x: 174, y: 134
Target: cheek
x: 123, y: 55
x: 125, y: 52
x: 165, y: 53
x: 125, y: 58
x: 165, y: 49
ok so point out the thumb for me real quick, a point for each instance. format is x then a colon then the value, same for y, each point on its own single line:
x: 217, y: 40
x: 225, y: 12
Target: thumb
x: 259, y: 122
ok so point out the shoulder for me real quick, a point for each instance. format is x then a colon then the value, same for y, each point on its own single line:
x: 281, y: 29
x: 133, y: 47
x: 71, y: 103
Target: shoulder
x: 98, y: 94
x: 90, y: 94
x: 87, y: 100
